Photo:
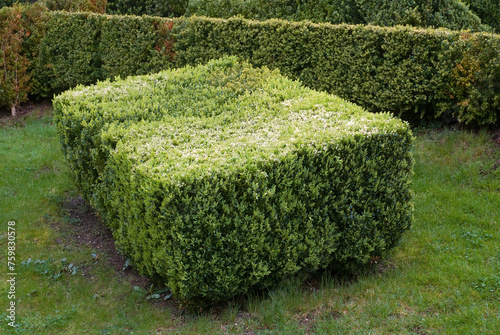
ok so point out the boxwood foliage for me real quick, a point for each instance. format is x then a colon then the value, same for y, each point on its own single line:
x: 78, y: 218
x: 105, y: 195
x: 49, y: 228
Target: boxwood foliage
x: 82, y: 48
x: 7, y: 3
x: 224, y: 177
x: 69, y: 53
x: 166, y: 8
x: 487, y: 10
x: 414, y: 73
x: 451, y: 14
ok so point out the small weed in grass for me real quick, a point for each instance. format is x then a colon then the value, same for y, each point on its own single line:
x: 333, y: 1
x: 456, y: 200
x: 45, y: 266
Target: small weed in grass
x: 475, y: 238
x: 490, y: 284
x: 69, y: 219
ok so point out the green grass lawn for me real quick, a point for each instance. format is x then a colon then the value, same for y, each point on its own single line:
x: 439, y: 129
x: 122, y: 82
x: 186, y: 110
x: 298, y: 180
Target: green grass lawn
x: 443, y: 278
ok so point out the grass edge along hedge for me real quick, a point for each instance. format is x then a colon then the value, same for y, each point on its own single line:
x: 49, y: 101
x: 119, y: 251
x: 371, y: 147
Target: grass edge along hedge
x: 261, y: 179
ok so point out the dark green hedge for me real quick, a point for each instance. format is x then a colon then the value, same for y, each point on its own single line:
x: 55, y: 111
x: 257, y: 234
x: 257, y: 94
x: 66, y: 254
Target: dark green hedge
x: 410, y: 72
x: 69, y: 53
x: 82, y: 48
x: 95, y: 6
x: 452, y: 14
x: 165, y: 8
x: 487, y: 10
x: 220, y: 178
x: 8, y: 3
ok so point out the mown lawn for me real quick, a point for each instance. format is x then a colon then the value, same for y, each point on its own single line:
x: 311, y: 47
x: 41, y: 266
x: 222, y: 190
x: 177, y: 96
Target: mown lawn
x: 444, y: 278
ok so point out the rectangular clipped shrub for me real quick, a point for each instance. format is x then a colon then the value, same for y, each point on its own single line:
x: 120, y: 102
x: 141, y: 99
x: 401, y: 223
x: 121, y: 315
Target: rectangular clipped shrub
x: 223, y: 177
x: 69, y: 53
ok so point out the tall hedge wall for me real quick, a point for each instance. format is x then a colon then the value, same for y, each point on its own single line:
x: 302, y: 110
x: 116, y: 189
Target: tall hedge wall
x: 220, y: 178
x: 411, y: 72
x: 83, y: 48
x: 21, y: 31
x: 7, y: 3
x: 165, y: 8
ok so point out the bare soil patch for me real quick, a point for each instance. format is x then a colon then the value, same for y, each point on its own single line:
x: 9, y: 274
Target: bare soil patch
x: 85, y: 228
x: 39, y: 108
x: 495, y: 136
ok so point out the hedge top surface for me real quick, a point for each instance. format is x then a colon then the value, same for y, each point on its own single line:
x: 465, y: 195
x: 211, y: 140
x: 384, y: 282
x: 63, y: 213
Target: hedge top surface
x: 202, y: 91
x: 220, y: 117
x: 178, y: 149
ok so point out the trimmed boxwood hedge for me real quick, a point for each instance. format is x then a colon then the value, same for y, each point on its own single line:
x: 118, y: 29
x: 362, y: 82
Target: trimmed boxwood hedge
x: 416, y: 74
x: 71, y: 57
x: 82, y: 48
x: 223, y: 177
x: 166, y: 8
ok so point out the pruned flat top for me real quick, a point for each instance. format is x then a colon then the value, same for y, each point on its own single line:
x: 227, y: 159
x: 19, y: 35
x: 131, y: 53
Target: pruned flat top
x: 223, y: 116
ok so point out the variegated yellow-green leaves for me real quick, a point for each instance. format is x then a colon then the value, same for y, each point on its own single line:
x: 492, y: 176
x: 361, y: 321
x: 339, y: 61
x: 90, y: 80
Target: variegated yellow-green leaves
x: 223, y: 177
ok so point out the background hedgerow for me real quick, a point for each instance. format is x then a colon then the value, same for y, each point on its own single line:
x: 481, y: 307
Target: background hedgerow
x: 7, y: 3
x: 414, y: 73
x: 82, y: 48
x: 487, y: 10
x: 14, y: 77
x: 69, y: 53
x: 94, y: 6
x: 21, y: 28
x: 451, y: 14
x: 222, y: 178
x: 165, y: 8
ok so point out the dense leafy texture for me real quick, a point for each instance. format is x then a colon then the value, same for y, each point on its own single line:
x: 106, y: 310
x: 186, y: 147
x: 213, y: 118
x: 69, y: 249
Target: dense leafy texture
x: 82, y: 48
x: 487, y: 10
x: 13, y: 66
x: 476, y: 80
x: 410, y: 72
x: 166, y: 8
x: 220, y: 178
x: 451, y: 14
x: 69, y: 53
x: 21, y: 29
x: 7, y: 3
x: 95, y: 6
x: 415, y: 73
